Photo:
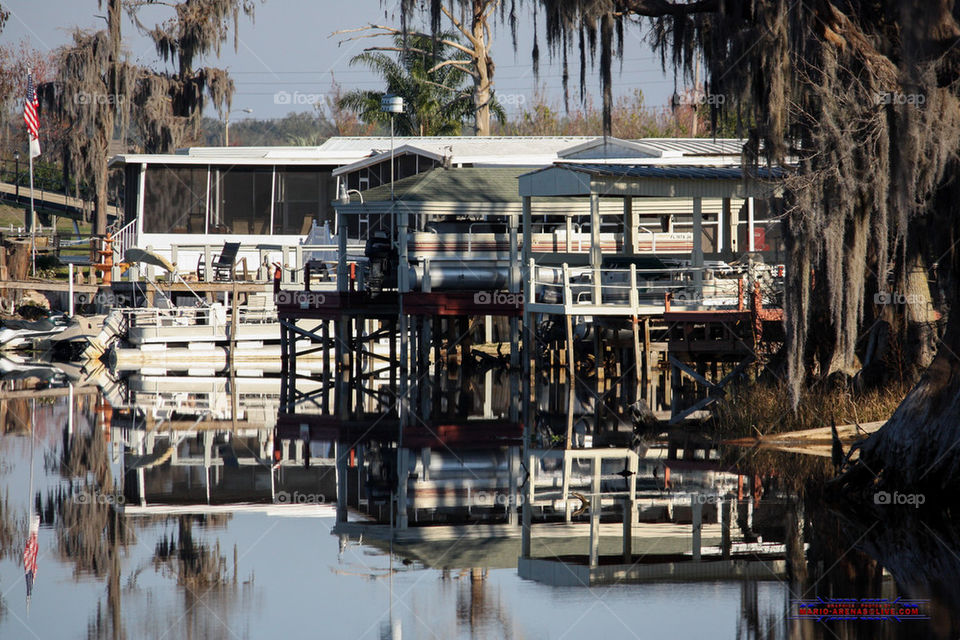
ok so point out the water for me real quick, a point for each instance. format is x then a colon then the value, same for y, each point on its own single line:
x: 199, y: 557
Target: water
x: 205, y: 545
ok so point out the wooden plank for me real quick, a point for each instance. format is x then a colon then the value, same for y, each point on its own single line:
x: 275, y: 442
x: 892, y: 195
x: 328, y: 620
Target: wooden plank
x: 45, y: 285
x: 52, y: 392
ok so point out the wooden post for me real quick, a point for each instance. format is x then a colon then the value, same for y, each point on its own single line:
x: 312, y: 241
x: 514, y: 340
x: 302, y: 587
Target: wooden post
x: 696, y: 506
x: 596, y: 254
x: 697, y: 257
x: 595, y: 513
x: 630, y: 227
x: 627, y: 506
x: 527, y: 510
x: 726, y: 513
x: 571, y: 380
x: 513, y: 462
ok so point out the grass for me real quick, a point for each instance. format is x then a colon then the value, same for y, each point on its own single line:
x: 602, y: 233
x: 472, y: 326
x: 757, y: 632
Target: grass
x: 767, y: 408
x: 14, y: 217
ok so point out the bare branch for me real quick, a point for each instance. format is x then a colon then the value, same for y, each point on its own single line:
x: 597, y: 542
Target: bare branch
x: 466, y: 66
x: 393, y: 31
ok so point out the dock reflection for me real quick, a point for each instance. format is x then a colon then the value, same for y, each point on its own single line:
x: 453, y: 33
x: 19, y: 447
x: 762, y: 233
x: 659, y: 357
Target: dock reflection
x: 171, y: 463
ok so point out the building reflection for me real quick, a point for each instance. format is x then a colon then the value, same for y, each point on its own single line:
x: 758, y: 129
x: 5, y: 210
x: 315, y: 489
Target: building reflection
x: 447, y: 492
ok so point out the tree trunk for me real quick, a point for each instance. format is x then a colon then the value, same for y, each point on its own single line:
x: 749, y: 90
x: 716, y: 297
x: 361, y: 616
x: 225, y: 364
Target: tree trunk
x: 919, y: 447
x: 483, y: 79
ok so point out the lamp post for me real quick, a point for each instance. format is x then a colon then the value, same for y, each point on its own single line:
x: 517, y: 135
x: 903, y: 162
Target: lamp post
x: 392, y: 105
x: 16, y: 177
x: 226, y: 125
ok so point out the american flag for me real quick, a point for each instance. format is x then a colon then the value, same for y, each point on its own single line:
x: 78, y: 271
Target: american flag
x: 30, y: 106
x: 30, y: 554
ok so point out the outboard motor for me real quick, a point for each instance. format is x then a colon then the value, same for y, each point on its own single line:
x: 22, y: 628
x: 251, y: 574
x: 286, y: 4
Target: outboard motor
x: 382, y: 261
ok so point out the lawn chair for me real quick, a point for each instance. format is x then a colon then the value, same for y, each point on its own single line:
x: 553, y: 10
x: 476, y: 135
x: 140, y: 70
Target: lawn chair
x: 223, y: 265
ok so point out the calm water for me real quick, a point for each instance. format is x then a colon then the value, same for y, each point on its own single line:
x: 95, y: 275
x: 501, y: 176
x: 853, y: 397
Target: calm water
x: 115, y: 562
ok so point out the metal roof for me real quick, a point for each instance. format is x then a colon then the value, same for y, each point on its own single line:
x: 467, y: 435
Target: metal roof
x: 695, y: 146
x: 527, y: 151
x: 675, y: 172
x: 486, y: 145
x: 644, y: 180
x: 467, y: 184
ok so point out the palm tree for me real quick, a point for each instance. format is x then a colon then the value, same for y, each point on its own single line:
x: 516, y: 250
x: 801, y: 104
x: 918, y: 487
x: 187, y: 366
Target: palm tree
x: 437, y: 103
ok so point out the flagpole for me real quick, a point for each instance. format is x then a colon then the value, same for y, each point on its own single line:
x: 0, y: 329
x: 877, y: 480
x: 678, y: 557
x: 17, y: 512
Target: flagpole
x: 33, y: 223
x: 33, y: 438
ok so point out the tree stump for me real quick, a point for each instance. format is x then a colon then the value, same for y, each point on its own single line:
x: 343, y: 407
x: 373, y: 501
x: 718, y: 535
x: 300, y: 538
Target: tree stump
x: 18, y: 259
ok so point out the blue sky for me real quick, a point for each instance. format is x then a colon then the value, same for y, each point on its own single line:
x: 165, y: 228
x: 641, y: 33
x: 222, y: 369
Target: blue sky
x: 285, y: 57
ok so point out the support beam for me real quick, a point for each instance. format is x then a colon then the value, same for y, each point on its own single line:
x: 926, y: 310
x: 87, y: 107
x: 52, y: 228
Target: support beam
x: 595, y: 514
x: 630, y: 226
x: 697, y: 257
x: 596, y: 254
x: 628, y: 515
x: 697, y: 507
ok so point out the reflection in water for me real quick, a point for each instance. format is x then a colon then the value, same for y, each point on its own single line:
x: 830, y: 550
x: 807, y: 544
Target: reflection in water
x: 169, y: 495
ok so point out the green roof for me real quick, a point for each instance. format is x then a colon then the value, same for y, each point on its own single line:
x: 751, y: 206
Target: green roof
x: 466, y: 184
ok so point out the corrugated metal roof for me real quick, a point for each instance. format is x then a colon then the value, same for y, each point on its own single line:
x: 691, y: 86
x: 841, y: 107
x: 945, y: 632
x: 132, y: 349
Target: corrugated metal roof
x: 695, y: 146
x: 528, y: 151
x: 674, y: 172
x: 468, y: 184
x: 460, y: 145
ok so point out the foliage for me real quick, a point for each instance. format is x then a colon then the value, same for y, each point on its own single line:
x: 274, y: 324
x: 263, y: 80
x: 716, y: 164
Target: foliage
x: 170, y: 105
x: 436, y: 102
x: 766, y: 408
x: 631, y: 119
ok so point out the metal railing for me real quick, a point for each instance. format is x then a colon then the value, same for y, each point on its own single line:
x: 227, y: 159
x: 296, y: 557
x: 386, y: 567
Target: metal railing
x: 214, y: 316
x: 292, y: 259
x: 123, y: 239
x: 717, y: 287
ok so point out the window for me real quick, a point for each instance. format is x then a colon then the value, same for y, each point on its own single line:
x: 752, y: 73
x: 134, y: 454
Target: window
x: 303, y: 197
x: 242, y: 197
x: 174, y: 199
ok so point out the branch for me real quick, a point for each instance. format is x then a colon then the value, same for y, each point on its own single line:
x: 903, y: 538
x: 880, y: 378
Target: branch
x: 838, y: 30
x: 393, y: 31
x: 468, y: 64
x: 467, y: 34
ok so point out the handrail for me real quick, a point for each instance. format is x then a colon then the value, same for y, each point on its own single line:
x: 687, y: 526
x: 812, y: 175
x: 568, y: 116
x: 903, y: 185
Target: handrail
x: 124, y: 238
x: 580, y: 286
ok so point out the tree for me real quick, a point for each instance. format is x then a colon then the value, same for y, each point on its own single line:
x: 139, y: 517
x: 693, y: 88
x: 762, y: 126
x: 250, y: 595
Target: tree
x: 864, y: 96
x: 170, y: 105
x: 435, y: 101
x: 472, y: 57
x: 631, y: 118
x: 97, y: 88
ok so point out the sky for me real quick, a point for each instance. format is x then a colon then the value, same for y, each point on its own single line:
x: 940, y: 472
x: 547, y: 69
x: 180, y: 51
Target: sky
x: 286, y: 57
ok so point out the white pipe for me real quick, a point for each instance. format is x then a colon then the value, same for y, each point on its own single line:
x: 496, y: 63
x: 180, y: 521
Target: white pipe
x: 70, y: 305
